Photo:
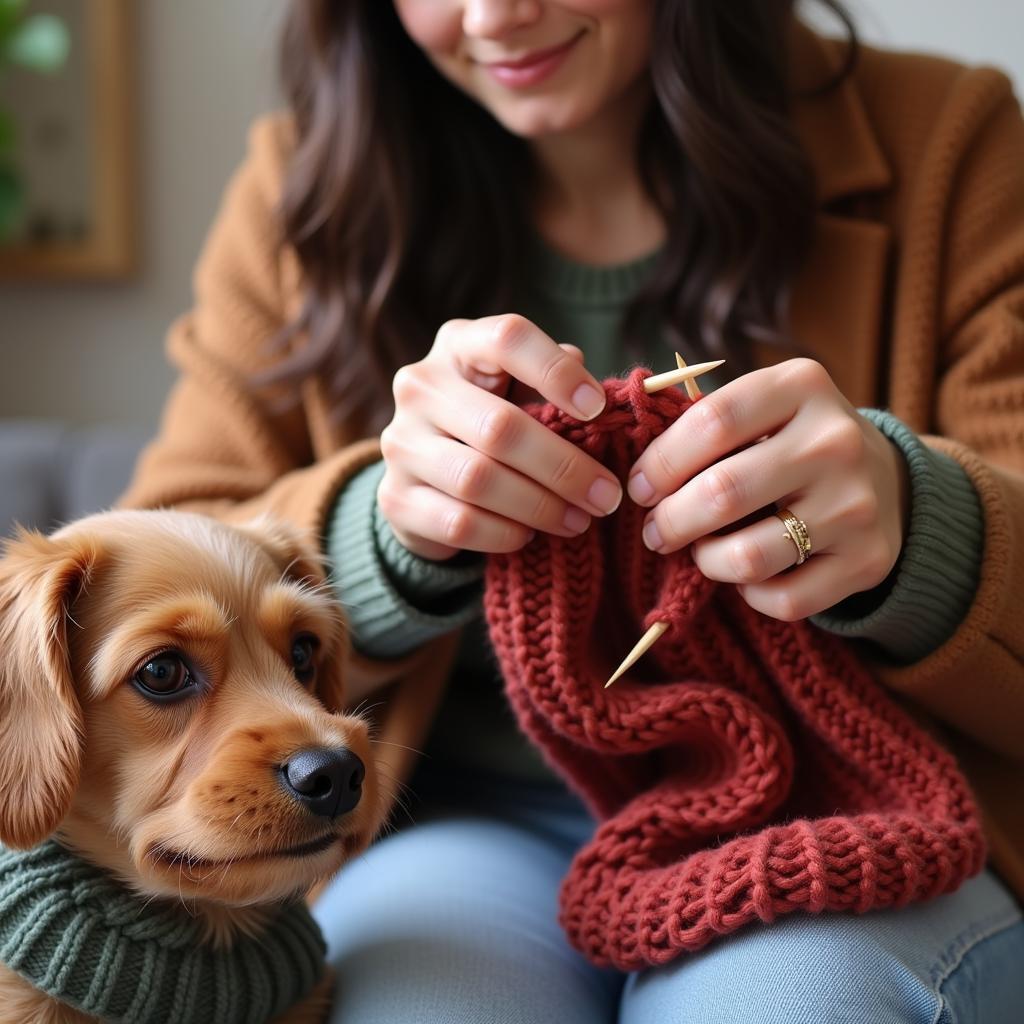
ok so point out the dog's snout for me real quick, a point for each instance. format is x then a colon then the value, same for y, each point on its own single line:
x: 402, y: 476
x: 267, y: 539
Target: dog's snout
x: 329, y: 781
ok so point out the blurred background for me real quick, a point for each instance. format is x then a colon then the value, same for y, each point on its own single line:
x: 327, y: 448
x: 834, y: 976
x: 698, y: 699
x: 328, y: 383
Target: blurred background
x: 188, y: 76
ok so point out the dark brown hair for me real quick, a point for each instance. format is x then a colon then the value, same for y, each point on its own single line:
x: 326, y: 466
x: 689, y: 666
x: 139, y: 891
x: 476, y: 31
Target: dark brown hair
x: 405, y: 200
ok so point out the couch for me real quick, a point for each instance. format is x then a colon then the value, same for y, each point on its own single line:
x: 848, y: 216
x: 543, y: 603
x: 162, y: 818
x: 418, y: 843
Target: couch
x: 51, y: 473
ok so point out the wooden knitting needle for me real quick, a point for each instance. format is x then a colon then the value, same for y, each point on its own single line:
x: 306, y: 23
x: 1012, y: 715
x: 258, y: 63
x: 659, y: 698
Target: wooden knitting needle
x: 683, y: 374
x: 692, y: 390
x: 648, y: 640
x: 642, y: 645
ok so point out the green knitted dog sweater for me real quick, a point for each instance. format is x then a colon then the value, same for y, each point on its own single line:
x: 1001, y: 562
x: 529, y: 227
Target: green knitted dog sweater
x: 76, y: 933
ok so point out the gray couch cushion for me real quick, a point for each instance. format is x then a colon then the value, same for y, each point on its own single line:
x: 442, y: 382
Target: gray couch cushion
x: 51, y: 473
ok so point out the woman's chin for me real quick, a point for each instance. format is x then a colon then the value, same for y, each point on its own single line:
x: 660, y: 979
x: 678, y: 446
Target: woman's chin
x: 539, y: 117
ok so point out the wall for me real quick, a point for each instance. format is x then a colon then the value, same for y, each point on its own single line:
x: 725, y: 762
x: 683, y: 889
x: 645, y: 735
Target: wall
x: 91, y: 354
x: 981, y: 32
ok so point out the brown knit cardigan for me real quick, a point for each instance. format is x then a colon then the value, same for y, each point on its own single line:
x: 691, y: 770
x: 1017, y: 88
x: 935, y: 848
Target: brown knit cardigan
x: 913, y: 298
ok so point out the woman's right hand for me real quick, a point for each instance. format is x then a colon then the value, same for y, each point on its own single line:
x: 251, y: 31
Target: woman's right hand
x: 466, y: 467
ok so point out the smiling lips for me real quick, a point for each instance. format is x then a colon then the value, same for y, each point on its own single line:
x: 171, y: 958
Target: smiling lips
x: 532, y: 68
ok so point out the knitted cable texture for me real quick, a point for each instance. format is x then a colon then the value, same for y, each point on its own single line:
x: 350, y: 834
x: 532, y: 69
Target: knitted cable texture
x: 746, y: 768
x: 74, y: 932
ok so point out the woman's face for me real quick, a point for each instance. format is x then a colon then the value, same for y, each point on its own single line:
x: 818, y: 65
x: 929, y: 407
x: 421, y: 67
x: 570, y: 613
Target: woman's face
x: 539, y: 66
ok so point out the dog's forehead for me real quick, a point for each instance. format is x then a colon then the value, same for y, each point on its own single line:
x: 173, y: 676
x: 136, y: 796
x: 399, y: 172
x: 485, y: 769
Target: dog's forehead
x: 179, y: 543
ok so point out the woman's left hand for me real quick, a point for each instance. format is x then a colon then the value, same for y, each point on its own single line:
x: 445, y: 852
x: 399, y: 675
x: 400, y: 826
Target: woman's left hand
x: 780, y: 437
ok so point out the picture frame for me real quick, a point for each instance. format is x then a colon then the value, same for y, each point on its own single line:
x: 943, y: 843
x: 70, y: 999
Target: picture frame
x: 85, y: 115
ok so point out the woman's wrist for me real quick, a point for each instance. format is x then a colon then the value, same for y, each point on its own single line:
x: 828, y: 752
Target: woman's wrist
x: 919, y: 606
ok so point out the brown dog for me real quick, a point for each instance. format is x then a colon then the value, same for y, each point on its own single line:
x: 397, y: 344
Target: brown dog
x: 170, y: 710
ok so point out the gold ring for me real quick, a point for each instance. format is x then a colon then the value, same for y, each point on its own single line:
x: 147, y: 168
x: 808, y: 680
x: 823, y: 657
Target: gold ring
x: 796, y: 531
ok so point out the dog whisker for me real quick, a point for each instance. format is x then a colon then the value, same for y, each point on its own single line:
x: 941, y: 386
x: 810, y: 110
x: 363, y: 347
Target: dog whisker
x: 360, y: 712
x: 402, y: 792
x: 414, y: 750
x: 288, y: 568
x: 308, y: 587
x: 391, y: 778
x: 227, y: 865
x: 146, y: 903
x: 181, y: 894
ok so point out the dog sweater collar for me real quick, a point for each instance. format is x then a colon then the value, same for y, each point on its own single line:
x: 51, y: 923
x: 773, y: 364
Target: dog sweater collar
x: 74, y: 932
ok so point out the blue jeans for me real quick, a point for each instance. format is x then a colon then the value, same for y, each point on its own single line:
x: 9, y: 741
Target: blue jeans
x: 454, y: 921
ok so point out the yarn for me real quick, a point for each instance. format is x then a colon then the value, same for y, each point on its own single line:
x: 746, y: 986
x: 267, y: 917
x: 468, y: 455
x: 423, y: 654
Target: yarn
x: 744, y: 769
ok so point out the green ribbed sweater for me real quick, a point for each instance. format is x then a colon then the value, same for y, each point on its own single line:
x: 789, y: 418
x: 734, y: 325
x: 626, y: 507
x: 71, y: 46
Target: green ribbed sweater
x: 396, y: 600
x: 74, y: 932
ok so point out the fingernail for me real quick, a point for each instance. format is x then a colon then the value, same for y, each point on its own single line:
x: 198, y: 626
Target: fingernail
x: 604, y: 495
x: 576, y: 520
x: 640, y: 489
x: 588, y: 400
x: 651, y: 536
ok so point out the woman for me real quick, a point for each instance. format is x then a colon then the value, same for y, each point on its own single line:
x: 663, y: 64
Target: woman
x: 463, y: 193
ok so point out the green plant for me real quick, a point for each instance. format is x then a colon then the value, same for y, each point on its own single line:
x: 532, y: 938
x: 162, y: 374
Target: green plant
x: 39, y: 42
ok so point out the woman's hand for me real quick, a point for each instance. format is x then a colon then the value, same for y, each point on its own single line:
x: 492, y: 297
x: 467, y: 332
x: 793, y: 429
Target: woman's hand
x: 783, y: 436
x: 466, y: 468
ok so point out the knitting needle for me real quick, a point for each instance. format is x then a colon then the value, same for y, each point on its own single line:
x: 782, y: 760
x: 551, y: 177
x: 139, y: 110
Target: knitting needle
x: 642, y: 645
x: 692, y: 390
x: 683, y: 374
x: 654, y: 633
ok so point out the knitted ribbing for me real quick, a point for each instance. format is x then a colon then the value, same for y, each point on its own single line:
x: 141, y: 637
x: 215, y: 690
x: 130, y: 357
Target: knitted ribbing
x: 74, y: 932
x: 746, y: 768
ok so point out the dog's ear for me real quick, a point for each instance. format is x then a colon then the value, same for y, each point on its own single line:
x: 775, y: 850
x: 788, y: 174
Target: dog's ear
x: 299, y: 561
x: 40, y: 716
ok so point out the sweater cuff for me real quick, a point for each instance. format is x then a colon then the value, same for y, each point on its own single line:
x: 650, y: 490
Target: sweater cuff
x: 395, y: 601
x: 421, y: 581
x: 932, y: 585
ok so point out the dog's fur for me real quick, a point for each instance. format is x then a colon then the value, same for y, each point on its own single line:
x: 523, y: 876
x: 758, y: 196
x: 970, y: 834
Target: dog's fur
x: 180, y: 801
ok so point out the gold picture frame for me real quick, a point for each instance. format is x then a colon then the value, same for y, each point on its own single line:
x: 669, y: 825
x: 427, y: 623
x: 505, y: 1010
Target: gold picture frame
x: 107, y: 248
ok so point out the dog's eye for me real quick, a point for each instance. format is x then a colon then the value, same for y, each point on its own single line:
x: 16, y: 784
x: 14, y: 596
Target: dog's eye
x: 303, y: 648
x: 165, y: 675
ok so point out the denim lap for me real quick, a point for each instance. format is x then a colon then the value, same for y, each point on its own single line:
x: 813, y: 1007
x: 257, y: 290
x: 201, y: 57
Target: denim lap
x: 942, y: 962
x: 454, y: 921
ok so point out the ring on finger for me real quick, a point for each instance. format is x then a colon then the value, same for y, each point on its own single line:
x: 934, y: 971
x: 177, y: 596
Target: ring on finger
x: 796, y: 531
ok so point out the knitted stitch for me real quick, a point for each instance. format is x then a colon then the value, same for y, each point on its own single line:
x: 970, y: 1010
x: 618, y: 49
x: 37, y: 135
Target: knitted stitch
x: 746, y: 768
x: 72, y: 931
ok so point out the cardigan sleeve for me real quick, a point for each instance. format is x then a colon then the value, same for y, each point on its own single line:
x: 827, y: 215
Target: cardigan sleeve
x: 974, y: 681
x: 225, y: 447
x: 394, y: 600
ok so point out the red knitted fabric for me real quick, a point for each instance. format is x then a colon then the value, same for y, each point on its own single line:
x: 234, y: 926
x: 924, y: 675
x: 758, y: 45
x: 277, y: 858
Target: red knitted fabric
x: 745, y: 768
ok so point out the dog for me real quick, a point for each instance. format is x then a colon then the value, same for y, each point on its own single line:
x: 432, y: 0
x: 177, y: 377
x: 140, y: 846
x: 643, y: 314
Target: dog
x: 171, y: 712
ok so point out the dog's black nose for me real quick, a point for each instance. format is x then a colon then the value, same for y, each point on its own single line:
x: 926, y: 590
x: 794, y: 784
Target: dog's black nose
x: 329, y: 781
